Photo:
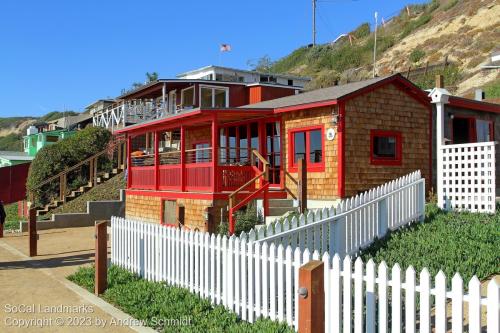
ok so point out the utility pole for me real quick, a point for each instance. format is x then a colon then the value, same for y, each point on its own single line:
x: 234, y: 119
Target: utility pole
x: 314, y: 22
x: 375, y: 46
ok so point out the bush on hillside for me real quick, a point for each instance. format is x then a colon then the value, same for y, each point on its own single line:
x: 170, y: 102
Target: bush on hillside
x: 416, y: 55
x: 53, y: 159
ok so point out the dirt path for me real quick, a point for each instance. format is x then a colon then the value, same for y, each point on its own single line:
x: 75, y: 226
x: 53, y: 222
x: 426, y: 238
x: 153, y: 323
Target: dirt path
x: 35, y: 295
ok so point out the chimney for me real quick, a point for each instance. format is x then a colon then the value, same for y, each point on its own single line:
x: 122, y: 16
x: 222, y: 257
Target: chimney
x: 479, y: 95
x: 439, y: 81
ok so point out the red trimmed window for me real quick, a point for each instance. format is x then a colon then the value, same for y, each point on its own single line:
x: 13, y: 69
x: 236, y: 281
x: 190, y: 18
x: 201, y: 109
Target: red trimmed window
x: 385, y: 147
x: 307, y: 143
x: 202, y: 152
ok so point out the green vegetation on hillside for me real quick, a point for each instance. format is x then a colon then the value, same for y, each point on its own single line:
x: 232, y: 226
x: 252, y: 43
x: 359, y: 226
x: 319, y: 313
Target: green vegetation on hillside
x: 12, y: 142
x: 492, y: 90
x: 57, y: 114
x: 109, y: 190
x: 61, y: 155
x: 159, y: 304
x: 328, y: 63
x: 467, y: 243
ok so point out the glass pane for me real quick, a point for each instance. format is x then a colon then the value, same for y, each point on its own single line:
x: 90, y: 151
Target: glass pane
x: 384, y: 146
x: 232, y: 143
x: 220, y: 98
x: 315, y: 146
x: 299, y: 141
x: 243, y: 143
x: 222, y: 144
x: 206, y: 97
x: 188, y: 97
x: 483, y: 131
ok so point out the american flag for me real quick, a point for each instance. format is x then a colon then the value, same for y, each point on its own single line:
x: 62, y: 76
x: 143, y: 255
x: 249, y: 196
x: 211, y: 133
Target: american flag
x: 225, y: 47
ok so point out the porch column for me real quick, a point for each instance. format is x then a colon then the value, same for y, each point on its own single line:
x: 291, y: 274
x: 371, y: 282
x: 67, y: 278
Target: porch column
x: 157, y: 160
x: 439, y: 97
x: 215, y: 155
x: 129, y: 162
x: 183, y: 159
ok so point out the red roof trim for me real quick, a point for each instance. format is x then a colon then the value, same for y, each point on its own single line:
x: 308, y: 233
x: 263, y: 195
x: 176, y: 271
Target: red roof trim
x: 305, y: 106
x: 473, y: 104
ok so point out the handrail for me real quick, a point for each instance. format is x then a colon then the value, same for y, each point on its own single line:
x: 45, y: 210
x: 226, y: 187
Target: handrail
x: 264, y: 187
x: 79, y: 164
x: 293, y: 180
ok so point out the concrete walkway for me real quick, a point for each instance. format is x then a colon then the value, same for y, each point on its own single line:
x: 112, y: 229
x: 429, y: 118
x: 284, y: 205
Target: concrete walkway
x: 35, y: 295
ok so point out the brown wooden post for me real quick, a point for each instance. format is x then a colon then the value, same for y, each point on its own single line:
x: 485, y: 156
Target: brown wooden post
x: 439, y: 81
x: 302, y: 185
x: 1, y: 230
x: 101, y: 257
x: 311, y: 298
x: 95, y: 171
x: 32, y: 235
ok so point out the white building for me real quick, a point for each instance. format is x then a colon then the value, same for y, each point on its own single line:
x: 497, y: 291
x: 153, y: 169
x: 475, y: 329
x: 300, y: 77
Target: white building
x: 226, y: 74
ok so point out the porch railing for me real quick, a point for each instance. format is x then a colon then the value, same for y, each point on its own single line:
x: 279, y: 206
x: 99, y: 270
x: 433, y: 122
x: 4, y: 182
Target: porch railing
x: 198, y: 172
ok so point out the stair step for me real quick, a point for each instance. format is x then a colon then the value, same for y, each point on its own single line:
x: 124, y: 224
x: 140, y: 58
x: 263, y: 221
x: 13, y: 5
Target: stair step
x: 281, y: 203
x: 280, y: 211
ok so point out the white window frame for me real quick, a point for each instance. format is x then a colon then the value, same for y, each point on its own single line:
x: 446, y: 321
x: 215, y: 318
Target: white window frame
x: 226, y: 90
x: 182, y: 96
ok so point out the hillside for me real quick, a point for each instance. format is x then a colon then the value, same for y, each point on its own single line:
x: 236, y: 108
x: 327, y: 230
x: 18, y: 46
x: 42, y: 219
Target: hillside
x: 462, y: 33
x: 12, y: 129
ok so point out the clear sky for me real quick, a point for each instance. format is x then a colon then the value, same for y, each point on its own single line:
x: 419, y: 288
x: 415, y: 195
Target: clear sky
x: 64, y: 54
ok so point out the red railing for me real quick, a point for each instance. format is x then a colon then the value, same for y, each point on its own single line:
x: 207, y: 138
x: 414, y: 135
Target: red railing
x: 199, y: 177
x: 233, y: 177
x: 170, y: 177
x: 142, y: 177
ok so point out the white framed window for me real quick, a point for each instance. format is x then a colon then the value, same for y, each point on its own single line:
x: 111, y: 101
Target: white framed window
x: 214, y: 97
x: 187, y: 97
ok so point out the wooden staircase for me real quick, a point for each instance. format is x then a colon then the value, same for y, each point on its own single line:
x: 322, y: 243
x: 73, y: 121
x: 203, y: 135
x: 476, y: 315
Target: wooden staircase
x: 117, y: 146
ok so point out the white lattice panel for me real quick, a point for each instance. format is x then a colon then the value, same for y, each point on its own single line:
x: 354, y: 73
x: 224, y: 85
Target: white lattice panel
x: 469, y: 177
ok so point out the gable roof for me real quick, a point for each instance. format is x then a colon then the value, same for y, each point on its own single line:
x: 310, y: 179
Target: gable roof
x: 324, y: 94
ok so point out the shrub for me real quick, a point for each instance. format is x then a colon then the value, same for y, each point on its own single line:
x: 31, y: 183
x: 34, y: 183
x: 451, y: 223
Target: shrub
x: 492, y: 90
x: 145, y: 300
x: 451, y: 73
x: 245, y: 220
x: 53, y: 159
x: 362, y: 31
x: 416, y: 55
x: 415, y: 24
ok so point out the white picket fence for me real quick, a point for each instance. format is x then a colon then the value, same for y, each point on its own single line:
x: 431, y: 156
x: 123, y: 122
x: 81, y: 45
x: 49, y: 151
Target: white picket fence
x: 256, y: 279
x: 356, y: 222
x: 468, y: 177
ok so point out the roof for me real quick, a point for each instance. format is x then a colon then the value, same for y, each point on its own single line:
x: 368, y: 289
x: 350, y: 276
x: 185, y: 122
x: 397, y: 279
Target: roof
x: 15, y: 156
x: 242, y: 71
x: 319, y: 95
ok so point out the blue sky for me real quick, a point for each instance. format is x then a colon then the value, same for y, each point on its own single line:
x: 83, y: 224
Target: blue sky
x: 64, y: 54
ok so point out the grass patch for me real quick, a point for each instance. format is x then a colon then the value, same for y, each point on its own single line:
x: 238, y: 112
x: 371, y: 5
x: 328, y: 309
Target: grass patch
x: 109, y: 190
x: 492, y: 90
x: 467, y: 243
x: 450, y: 5
x: 150, y: 301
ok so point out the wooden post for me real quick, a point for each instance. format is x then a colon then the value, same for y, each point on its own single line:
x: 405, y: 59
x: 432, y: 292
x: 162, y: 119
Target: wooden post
x: 183, y: 158
x: 1, y: 230
x: 101, y: 257
x: 32, y: 235
x: 311, y: 298
x: 302, y: 186
x: 439, y: 81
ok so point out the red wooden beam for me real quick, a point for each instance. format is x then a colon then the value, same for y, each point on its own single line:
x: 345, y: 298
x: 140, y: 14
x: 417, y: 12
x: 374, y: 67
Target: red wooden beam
x: 341, y: 150
x: 215, y: 155
x: 157, y: 160
x: 183, y: 159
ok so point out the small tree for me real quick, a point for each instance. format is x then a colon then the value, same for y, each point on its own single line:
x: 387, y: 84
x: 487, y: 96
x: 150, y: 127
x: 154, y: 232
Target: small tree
x: 263, y: 64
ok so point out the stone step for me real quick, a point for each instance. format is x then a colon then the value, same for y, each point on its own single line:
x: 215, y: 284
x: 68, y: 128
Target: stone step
x: 281, y: 203
x: 280, y: 211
